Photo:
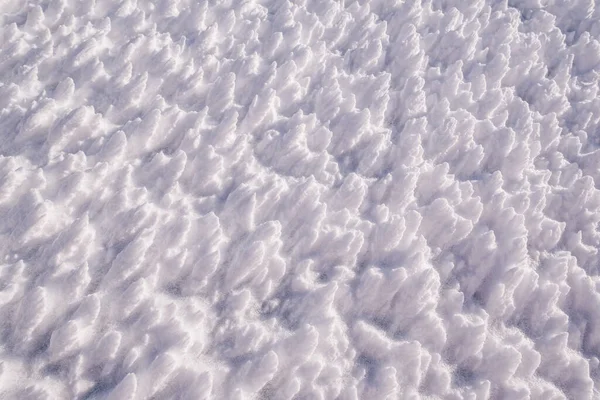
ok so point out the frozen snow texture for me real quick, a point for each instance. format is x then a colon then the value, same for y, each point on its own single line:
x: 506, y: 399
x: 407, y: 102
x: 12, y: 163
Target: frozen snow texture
x: 307, y: 199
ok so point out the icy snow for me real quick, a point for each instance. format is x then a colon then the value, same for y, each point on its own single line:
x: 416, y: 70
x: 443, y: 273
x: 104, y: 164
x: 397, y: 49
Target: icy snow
x: 299, y: 199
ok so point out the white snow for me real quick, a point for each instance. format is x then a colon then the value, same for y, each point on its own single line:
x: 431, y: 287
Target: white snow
x: 299, y: 199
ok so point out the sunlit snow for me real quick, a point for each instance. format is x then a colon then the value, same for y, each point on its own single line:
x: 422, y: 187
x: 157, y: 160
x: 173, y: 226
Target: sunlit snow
x: 299, y: 199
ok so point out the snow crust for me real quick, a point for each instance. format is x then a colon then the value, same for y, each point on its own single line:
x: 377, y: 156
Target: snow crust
x: 307, y: 199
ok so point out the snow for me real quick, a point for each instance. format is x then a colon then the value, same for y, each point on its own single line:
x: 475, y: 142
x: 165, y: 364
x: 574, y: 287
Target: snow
x: 299, y: 199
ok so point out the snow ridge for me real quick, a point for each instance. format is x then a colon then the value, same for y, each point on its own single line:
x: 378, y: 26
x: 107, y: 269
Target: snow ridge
x: 299, y: 199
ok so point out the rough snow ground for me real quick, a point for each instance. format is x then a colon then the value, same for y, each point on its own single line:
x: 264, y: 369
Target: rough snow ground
x: 308, y: 199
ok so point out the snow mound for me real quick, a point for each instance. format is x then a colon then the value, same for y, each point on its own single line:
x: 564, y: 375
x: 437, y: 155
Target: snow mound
x: 299, y: 199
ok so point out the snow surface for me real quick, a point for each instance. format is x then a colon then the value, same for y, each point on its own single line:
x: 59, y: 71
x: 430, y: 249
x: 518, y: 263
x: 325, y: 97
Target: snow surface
x: 299, y: 199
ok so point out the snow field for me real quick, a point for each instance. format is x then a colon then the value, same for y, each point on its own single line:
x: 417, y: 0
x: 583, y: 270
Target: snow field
x: 308, y: 199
